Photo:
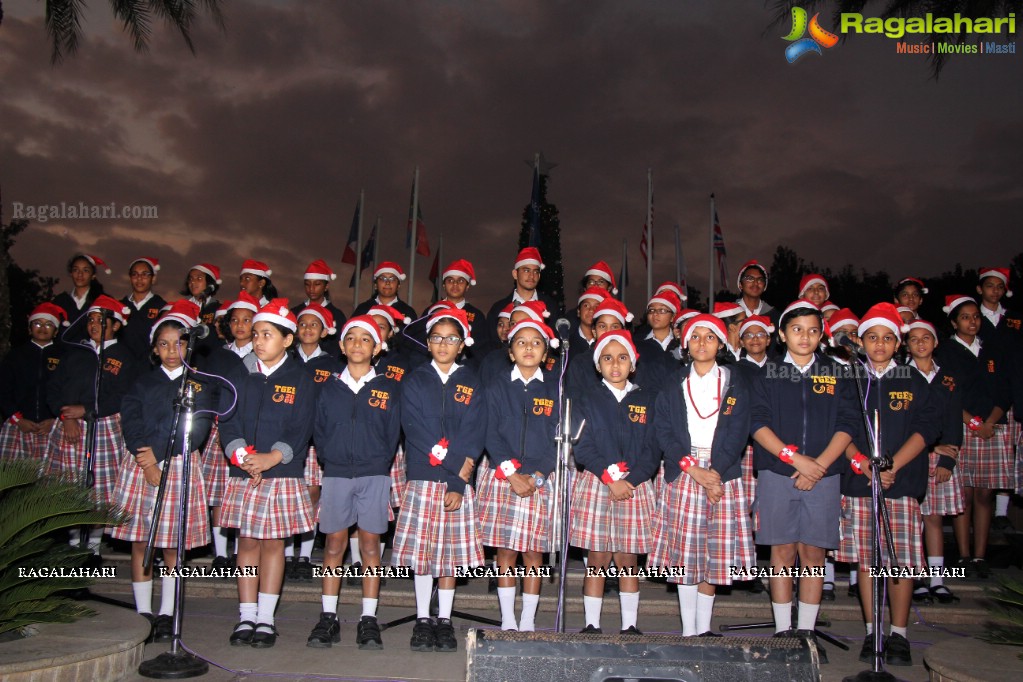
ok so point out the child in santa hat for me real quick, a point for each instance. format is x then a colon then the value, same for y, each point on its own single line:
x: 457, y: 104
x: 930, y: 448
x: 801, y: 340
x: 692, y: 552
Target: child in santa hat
x: 145, y: 306
x: 85, y: 288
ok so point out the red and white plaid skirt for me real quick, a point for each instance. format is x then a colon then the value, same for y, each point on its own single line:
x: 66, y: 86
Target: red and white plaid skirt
x: 16, y: 444
x: 659, y: 481
x: 433, y: 541
x: 313, y: 470
x: 943, y: 499
x: 138, y: 498
x: 69, y: 459
x: 507, y: 521
x: 907, y: 532
x: 276, y: 508
x: 749, y: 477
x: 599, y: 524
x: 398, y: 480
x: 215, y: 470
x: 989, y: 464
x: 706, y: 539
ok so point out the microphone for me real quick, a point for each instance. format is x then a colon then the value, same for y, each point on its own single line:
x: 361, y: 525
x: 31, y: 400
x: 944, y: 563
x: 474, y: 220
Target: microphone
x: 199, y: 331
x: 843, y: 340
x: 562, y: 326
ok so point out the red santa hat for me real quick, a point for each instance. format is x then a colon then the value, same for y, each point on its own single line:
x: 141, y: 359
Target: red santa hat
x: 954, y: 301
x: 1000, y: 273
x: 810, y: 280
x: 545, y: 331
x: 912, y: 280
x: 828, y: 305
x: 796, y: 304
x: 603, y: 270
x: 460, y: 268
x: 723, y: 310
x: 925, y: 325
x: 507, y: 311
x: 277, y: 311
x: 757, y: 321
x: 667, y: 299
x: 457, y: 316
x: 440, y: 305
x: 245, y: 301
x: 615, y: 308
x: 119, y: 311
x: 529, y: 256
x: 325, y: 316
x: 367, y: 323
x: 623, y: 337
x: 319, y: 269
x: 222, y: 310
x: 597, y: 294
x: 535, y: 309
x: 390, y: 313
x: 183, y: 311
x: 842, y: 318
x: 389, y: 268
x: 257, y: 268
x: 153, y: 263
x: 50, y: 312
x: 683, y: 315
x: 209, y: 269
x: 673, y: 288
x: 711, y: 322
x: 97, y: 263
x: 746, y: 266
x: 882, y: 315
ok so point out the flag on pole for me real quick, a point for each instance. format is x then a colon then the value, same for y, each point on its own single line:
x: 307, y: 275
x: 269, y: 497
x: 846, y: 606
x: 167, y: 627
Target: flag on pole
x: 719, y: 250
x: 643, y: 245
x: 368, y: 256
x: 534, y: 206
x: 352, y: 247
x: 422, y: 243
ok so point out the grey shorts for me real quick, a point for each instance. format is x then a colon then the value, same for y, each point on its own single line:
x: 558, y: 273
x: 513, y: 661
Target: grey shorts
x: 786, y: 515
x: 364, y: 501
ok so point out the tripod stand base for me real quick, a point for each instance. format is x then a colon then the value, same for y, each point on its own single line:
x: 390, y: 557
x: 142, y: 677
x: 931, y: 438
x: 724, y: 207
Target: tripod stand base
x: 871, y: 676
x: 174, y: 666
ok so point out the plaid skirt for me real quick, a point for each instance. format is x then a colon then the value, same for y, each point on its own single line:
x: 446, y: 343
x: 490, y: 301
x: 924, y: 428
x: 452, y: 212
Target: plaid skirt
x: 69, y: 459
x: 706, y: 539
x: 433, y: 541
x: 398, y: 480
x: 276, y: 508
x: 138, y: 498
x: 749, y: 477
x: 659, y: 481
x: 943, y: 499
x: 601, y: 525
x: 215, y: 470
x: 507, y: 521
x: 16, y: 444
x: 313, y: 470
x: 907, y: 532
x: 989, y: 464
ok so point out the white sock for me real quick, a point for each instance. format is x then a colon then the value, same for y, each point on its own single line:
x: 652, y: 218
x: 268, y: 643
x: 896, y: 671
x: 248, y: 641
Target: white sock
x: 687, y: 609
x: 782, y: 616
x: 247, y: 611
x: 445, y: 602
x: 95, y: 537
x: 898, y: 631
x: 807, y: 618
x: 937, y: 562
x: 266, y: 606
x: 74, y: 537
x: 586, y: 562
x: 506, y: 598
x: 289, y: 547
x: 219, y: 541
x: 853, y: 575
x: 306, y: 550
x: 383, y: 546
x: 424, y: 591
x: 167, y: 584
x: 704, y: 611
x: 1002, y: 504
x: 629, y: 604
x: 529, y: 604
x: 592, y: 606
x: 143, y: 596
x: 829, y: 570
x: 369, y: 606
x: 353, y: 547
x: 328, y: 603
x: 870, y: 628
x: 236, y: 544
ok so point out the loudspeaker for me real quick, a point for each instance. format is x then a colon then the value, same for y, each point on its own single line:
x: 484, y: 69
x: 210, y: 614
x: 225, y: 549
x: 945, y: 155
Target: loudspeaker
x: 508, y: 656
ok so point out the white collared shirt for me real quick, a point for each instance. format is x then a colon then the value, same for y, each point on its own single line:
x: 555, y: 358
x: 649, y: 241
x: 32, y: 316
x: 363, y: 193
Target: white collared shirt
x: 993, y: 316
x: 587, y: 339
x: 173, y: 374
x: 79, y: 302
x: 758, y: 363
x: 927, y: 375
x: 356, y: 384
x: 267, y: 371
x: 802, y: 370
x: 379, y: 302
x: 48, y: 344
x: 444, y: 377
x: 702, y: 393
x: 619, y: 395
x: 138, y: 305
x: 460, y: 305
x: 516, y: 374
x: 306, y: 358
x: 106, y: 344
x: 663, y: 344
x: 972, y: 347
x: 323, y: 303
x: 750, y: 313
x: 870, y: 367
x: 240, y: 352
x: 518, y: 299
x: 736, y: 352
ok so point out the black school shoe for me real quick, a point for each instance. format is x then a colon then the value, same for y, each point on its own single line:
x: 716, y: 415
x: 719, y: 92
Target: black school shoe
x: 828, y: 594
x: 264, y: 637
x: 163, y: 628
x: 289, y: 568
x: 423, y: 638
x: 811, y: 636
x: 981, y: 568
x: 152, y: 619
x: 896, y: 650
x: 444, y: 632
x: 590, y: 630
x: 303, y: 571
x: 242, y: 634
x: 867, y: 650
x: 326, y: 632
x: 368, y: 633
x: 631, y: 630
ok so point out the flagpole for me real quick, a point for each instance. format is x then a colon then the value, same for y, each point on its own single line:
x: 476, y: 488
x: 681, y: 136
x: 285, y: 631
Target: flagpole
x: 358, y: 246
x: 678, y: 256
x: 650, y: 232
x: 415, y: 236
x: 440, y: 268
x: 376, y: 244
x: 710, y: 272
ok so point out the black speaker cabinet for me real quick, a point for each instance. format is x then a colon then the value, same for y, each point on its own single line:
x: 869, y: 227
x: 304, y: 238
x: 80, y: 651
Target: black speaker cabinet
x: 497, y: 656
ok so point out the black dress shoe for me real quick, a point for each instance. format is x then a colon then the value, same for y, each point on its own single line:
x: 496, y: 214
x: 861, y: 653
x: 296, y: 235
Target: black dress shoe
x: 828, y: 593
x: 785, y: 633
x: 756, y: 586
x: 326, y: 632
x: 152, y: 619
x: 289, y: 568
x: 867, y: 650
x: 303, y: 571
x: 708, y: 633
x: 981, y: 568
x: 242, y: 635
x: 896, y: 650
x: 264, y: 637
x: 163, y: 628
x: 631, y: 630
x: 590, y: 630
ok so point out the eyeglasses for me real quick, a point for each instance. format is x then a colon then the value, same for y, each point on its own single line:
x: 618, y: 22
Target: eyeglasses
x: 596, y: 282
x: 755, y: 335
x: 387, y: 279
x: 529, y: 343
x: 437, y: 339
x: 42, y: 323
x: 750, y: 279
x: 659, y: 311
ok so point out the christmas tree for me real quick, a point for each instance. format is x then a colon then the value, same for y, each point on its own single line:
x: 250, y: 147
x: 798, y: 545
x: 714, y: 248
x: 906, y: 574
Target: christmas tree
x: 541, y: 228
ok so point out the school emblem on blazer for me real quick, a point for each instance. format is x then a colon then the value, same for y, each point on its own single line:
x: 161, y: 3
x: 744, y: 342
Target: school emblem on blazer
x: 284, y: 394
x: 991, y: 366
x: 52, y: 363
x: 470, y: 316
x: 1012, y: 323
x: 729, y: 403
x: 153, y: 312
x: 463, y: 394
x: 824, y: 385
x: 320, y: 375
x: 543, y: 407
x: 112, y: 366
x: 899, y: 400
x: 949, y: 383
x: 637, y: 414
x: 196, y: 386
x: 395, y: 373
x: 378, y: 399
x: 550, y: 363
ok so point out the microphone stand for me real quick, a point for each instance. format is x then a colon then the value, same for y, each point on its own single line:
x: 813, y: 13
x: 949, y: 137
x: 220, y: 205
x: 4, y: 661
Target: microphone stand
x: 562, y: 502
x: 176, y: 663
x: 91, y: 418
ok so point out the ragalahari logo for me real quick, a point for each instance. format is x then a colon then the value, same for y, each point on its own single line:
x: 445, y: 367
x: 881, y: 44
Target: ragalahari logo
x: 817, y: 39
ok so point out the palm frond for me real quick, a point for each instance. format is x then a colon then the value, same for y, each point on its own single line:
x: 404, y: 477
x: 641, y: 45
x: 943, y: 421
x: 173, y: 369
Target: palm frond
x: 52, y: 610
x: 64, y: 26
x: 135, y: 18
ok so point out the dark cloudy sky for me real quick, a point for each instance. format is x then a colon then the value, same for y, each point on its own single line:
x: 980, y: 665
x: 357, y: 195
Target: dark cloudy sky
x: 259, y: 145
